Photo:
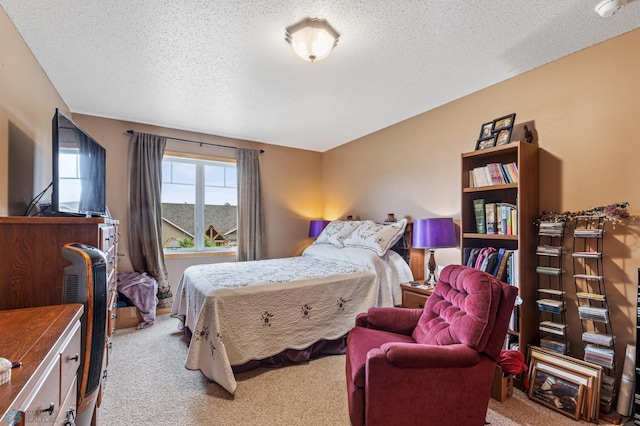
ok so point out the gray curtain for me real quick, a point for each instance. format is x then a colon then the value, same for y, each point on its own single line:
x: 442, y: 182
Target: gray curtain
x: 145, y: 211
x: 250, y: 208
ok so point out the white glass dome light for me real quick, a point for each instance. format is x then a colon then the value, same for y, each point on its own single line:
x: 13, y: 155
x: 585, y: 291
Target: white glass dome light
x: 312, y: 39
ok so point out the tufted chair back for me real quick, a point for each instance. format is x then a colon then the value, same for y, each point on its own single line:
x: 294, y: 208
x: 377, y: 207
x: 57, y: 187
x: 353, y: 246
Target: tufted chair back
x: 462, y: 309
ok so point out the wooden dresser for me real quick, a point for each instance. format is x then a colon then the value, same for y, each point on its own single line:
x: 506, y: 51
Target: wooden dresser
x: 32, y: 270
x: 47, y: 342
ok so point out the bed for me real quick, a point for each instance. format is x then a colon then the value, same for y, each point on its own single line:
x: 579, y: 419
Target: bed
x: 238, y: 313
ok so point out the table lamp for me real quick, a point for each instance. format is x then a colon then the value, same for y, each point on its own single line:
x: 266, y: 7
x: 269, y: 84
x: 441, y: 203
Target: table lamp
x: 433, y: 234
x: 316, y: 227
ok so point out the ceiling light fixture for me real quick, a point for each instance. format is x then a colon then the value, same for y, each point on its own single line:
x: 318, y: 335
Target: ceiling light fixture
x: 608, y: 8
x: 312, y: 39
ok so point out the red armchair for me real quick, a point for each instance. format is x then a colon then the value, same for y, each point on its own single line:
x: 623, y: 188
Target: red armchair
x: 433, y: 366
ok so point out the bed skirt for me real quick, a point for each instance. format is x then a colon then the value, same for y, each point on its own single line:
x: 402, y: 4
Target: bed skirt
x: 291, y: 356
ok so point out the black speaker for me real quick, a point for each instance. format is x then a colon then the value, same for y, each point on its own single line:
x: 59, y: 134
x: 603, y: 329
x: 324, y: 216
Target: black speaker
x: 85, y: 281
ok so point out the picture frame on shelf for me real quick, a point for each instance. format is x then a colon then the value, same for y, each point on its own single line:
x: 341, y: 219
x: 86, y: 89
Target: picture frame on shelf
x: 505, y: 122
x: 557, y: 389
x: 486, y: 143
x: 503, y: 136
x: 486, y: 130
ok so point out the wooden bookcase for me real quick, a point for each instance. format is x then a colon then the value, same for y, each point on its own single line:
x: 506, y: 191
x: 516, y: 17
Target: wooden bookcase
x: 525, y: 195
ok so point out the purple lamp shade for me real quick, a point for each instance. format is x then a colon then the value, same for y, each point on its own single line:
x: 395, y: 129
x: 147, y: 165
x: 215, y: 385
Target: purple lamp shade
x: 434, y: 233
x: 316, y: 227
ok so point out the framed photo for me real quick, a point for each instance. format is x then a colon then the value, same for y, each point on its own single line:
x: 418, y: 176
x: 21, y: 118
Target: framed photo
x: 486, y: 143
x: 573, y: 368
x: 503, y: 136
x: 555, y: 391
x: 505, y: 122
x: 485, y: 131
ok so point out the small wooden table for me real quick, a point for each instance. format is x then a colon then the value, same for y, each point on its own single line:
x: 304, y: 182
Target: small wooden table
x: 415, y: 297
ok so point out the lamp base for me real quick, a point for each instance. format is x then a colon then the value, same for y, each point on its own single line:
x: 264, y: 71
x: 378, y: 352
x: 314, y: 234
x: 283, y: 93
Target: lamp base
x: 431, y: 276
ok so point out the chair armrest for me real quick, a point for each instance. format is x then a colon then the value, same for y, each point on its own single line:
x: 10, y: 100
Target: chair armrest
x: 395, y: 320
x: 414, y: 355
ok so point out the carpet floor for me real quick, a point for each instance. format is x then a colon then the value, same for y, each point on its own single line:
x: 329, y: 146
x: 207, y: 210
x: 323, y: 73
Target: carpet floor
x: 148, y: 385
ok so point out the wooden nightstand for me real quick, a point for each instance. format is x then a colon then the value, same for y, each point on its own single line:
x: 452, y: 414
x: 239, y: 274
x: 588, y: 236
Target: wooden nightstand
x: 414, y: 297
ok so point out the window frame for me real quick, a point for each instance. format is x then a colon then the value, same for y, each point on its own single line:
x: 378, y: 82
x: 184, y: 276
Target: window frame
x: 199, y: 250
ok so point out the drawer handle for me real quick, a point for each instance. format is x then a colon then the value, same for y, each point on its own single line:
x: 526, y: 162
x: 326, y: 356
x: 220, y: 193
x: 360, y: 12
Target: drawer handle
x: 76, y: 357
x: 52, y: 407
x: 421, y: 305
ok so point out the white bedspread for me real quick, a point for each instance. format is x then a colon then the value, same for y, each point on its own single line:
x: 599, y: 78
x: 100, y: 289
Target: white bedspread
x: 253, y: 310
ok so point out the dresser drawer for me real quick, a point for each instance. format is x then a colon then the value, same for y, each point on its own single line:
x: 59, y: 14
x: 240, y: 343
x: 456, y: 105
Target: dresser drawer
x: 68, y: 406
x: 413, y: 300
x: 70, y: 358
x: 43, y: 407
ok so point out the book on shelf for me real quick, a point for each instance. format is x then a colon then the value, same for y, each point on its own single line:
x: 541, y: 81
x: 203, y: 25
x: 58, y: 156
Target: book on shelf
x: 553, y: 327
x: 512, y: 169
x: 479, y: 211
x: 587, y: 254
x: 599, y: 355
x: 598, y: 338
x: 592, y: 296
x: 490, y: 217
x: 480, y: 177
x: 549, y: 270
x: 501, y: 272
x: 588, y: 277
x: 548, y: 250
x: 550, y: 309
x: 554, y: 345
x: 550, y: 302
x: 506, y: 217
x: 592, y: 313
x: 551, y: 291
x: 512, y: 269
x: 493, y: 174
x: 496, y: 173
x: 551, y: 305
x: 506, y: 174
x: 588, y: 233
x: 551, y: 229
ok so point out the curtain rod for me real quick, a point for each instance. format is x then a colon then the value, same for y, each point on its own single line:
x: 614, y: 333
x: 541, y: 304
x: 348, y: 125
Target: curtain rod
x: 200, y: 143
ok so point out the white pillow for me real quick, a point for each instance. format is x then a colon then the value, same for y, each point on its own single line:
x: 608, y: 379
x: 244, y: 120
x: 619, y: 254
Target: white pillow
x: 335, y: 232
x: 375, y: 236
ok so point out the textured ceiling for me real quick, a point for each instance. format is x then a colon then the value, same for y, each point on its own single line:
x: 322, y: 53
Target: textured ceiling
x: 224, y: 68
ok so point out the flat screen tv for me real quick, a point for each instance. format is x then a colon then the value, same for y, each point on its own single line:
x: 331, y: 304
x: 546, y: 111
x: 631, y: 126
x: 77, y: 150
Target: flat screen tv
x: 79, y: 171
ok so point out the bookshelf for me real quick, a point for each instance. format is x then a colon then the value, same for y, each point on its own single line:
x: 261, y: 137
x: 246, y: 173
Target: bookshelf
x: 524, y: 195
x: 593, y: 307
x: 551, y: 302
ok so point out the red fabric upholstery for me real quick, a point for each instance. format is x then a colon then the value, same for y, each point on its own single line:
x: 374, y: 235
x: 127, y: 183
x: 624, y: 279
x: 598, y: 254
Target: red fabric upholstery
x: 412, y: 367
x: 462, y: 309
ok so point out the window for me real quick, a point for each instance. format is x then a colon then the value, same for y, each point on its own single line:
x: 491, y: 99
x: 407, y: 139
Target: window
x: 69, y: 169
x: 199, y: 204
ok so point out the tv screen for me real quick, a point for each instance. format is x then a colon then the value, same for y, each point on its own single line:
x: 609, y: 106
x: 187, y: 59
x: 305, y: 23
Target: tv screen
x: 79, y: 170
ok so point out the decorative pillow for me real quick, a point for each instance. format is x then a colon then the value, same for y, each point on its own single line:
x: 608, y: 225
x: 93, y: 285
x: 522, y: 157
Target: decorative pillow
x: 335, y: 232
x: 375, y: 236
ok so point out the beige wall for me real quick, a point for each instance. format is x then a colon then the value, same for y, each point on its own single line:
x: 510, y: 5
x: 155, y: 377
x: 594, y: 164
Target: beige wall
x: 585, y: 110
x: 27, y: 104
x: 292, y: 185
